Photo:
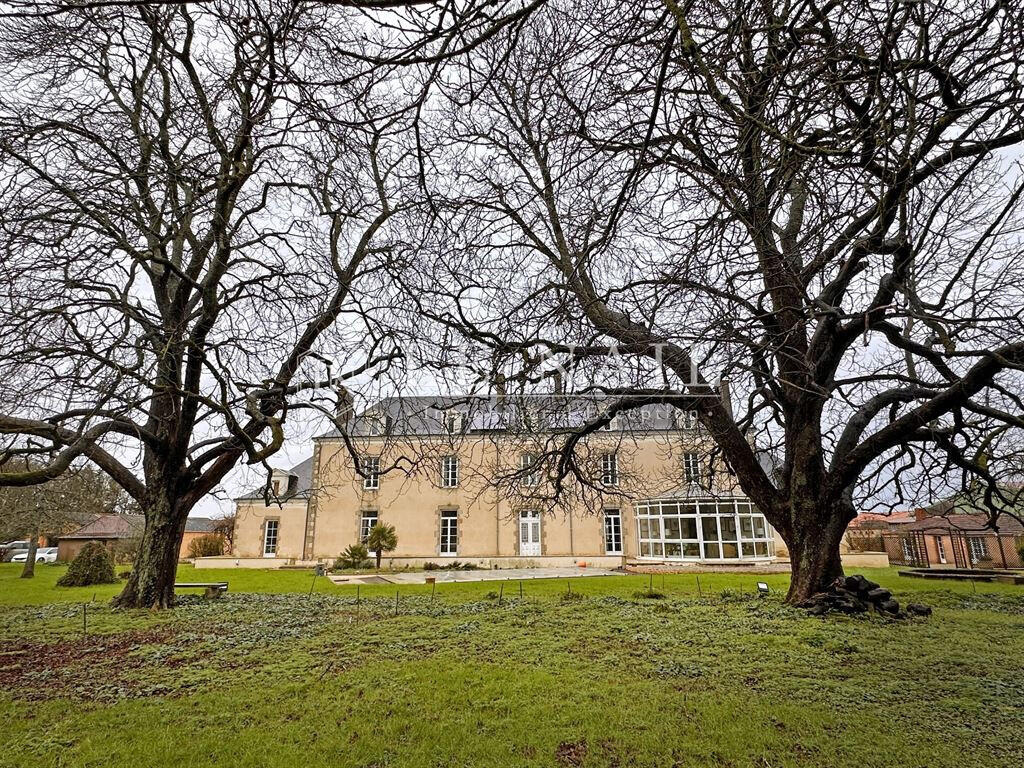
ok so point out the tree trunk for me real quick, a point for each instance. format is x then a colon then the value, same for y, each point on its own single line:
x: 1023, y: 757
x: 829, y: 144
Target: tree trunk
x: 379, y: 554
x: 151, y: 584
x: 814, y: 555
x: 29, y: 571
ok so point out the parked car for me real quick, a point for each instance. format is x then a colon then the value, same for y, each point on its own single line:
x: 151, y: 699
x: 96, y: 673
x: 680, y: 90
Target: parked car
x: 43, y: 555
x: 12, y: 548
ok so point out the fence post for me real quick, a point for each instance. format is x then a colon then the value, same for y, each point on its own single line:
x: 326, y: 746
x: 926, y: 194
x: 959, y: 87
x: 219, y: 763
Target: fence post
x: 1002, y: 552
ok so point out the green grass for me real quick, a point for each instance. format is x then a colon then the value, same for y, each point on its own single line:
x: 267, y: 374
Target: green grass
x: 720, y: 678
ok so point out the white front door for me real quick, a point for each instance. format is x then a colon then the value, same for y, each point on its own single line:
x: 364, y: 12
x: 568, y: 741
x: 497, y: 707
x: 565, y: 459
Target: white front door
x: 529, y: 534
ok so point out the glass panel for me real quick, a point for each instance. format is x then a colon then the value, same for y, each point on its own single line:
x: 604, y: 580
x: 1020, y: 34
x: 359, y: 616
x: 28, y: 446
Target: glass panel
x: 728, y: 528
x: 747, y: 527
x: 673, y: 550
x: 761, y: 549
x: 708, y: 508
x: 645, y: 549
x: 748, y: 549
x: 656, y: 550
x: 689, y: 527
x: 711, y: 551
x: 691, y: 550
x: 730, y: 550
x: 759, y: 527
x: 710, y: 528
x: 655, y: 527
x: 645, y: 529
x: 672, y: 530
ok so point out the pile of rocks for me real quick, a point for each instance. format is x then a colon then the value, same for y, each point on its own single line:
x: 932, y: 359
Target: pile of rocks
x: 856, y: 594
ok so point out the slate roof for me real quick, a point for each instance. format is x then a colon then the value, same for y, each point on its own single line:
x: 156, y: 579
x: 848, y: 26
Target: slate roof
x: 200, y: 525
x: 425, y: 415
x: 300, y: 488
x: 978, y: 522
x: 109, y: 527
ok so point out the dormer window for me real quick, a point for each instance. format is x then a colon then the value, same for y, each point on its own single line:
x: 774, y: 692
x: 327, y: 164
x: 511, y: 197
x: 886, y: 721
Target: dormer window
x: 378, y: 425
x: 276, y: 485
x: 686, y: 419
x: 454, y: 422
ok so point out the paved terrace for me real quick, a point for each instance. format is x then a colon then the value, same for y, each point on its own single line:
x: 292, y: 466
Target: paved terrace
x: 447, y: 577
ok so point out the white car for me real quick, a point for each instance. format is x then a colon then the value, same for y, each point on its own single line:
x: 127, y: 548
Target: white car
x: 43, y: 555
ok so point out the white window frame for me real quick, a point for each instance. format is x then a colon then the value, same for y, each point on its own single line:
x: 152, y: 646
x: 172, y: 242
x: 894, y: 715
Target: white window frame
x: 687, y: 420
x: 367, y: 519
x: 371, y: 468
x: 448, y: 546
x: 271, y: 535
x: 754, y: 540
x: 610, y: 469
x: 977, y: 548
x: 454, y: 421
x: 691, y: 467
x: 612, y: 531
x: 528, y: 475
x: 450, y: 471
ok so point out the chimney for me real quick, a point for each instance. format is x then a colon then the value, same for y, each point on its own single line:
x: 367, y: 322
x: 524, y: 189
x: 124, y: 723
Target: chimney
x: 920, y: 514
x: 725, y: 392
x: 343, y: 409
x: 500, y: 391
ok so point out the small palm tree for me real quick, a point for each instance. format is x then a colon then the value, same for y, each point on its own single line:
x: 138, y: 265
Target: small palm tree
x: 382, y: 538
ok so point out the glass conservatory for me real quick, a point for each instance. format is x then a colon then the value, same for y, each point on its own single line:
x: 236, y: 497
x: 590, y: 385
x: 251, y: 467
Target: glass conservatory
x: 703, y: 529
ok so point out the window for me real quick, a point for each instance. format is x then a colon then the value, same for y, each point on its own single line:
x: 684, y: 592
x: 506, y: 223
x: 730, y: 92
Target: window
x: 908, y: 551
x: 610, y: 469
x: 371, y: 469
x: 686, y: 419
x: 449, y: 471
x: 712, y: 529
x: 612, y: 532
x: 941, y: 548
x: 270, y: 530
x: 691, y: 467
x: 613, y: 422
x: 449, y: 532
x: 453, y: 422
x: 366, y: 522
x: 276, y: 485
x: 528, y: 471
x: 978, y: 548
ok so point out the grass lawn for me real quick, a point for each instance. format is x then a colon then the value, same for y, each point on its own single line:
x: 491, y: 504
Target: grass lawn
x: 271, y: 676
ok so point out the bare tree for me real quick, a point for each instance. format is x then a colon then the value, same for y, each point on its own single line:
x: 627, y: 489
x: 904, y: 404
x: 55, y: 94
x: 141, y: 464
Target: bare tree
x: 813, y: 202
x: 189, y: 241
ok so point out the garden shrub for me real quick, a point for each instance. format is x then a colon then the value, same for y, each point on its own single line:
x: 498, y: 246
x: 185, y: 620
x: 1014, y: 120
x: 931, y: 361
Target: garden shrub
x: 93, y: 565
x: 354, y: 556
x: 208, y: 545
x: 431, y: 567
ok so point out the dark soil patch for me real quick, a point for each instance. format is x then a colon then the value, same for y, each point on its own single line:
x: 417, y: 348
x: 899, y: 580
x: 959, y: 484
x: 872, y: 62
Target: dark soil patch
x: 27, y: 668
x: 571, y: 753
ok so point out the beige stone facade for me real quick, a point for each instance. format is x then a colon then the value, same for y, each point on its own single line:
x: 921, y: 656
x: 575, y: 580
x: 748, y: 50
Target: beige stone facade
x: 461, y: 494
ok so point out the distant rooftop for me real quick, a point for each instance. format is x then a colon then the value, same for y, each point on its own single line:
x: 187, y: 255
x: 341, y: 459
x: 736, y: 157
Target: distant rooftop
x: 431, y: 414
